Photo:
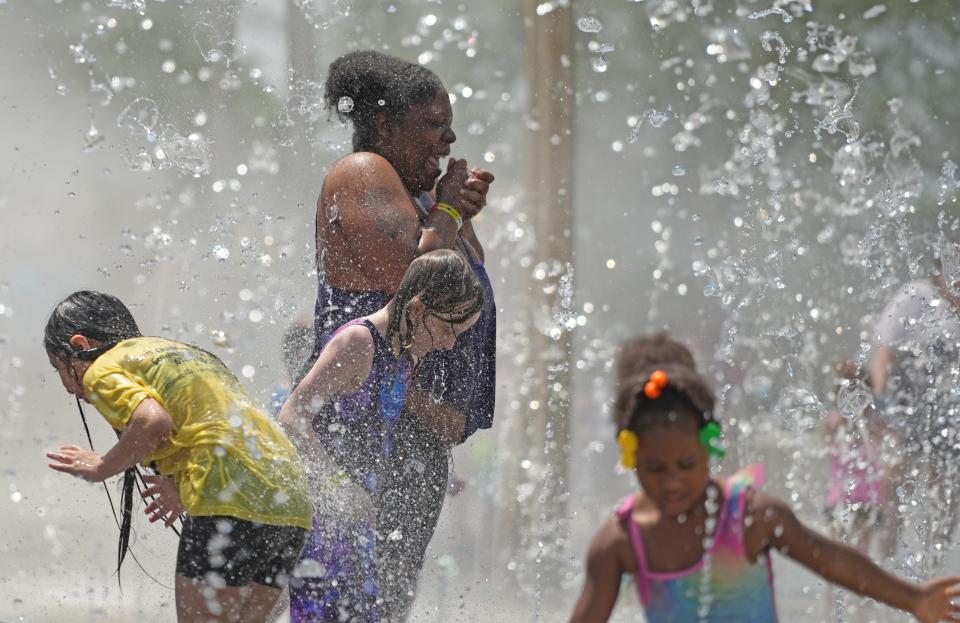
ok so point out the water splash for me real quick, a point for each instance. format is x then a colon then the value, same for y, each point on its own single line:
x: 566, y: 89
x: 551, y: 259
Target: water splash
x: 589, y: 24
x: 947, y: 183
x: 322, y: 14
x: 213, y: 48
x: 786, y: 17
x: 166, y: 147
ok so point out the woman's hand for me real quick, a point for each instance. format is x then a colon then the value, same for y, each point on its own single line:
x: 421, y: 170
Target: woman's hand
x: 450, y: 185
x: 475, y: 189
x: 464, y: 189
x: 166, y: 505
x: 936, y: 601
x: 79, y: 462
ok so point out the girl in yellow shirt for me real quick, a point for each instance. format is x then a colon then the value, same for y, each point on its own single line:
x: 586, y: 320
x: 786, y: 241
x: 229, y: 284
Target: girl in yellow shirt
x: 220, y: 459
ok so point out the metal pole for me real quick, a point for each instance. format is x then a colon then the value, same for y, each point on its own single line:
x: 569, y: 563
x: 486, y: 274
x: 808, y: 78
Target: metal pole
x: 541, y: 519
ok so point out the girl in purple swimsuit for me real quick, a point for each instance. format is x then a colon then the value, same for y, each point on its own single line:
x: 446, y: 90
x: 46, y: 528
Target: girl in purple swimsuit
x: 344, y: 417
x: 698, y: 546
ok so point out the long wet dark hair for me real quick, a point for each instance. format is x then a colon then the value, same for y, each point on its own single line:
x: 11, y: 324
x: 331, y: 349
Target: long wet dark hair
x: 446, y: 285
x: 94, y: 315
x: 104, y: 318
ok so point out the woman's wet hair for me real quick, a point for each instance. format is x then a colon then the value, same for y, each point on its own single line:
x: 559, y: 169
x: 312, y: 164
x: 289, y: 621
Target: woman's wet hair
x: 446, y: 285
x: 376, y: 83
x: 94, y: 315
x: 686, y: 395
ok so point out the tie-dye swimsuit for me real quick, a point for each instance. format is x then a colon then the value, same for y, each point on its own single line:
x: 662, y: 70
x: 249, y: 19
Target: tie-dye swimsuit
x: 724, y: 586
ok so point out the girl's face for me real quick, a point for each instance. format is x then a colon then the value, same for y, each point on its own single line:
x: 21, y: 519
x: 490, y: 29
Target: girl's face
x: 673, y: 466
x: 71, y: 372
x: 435, y: 332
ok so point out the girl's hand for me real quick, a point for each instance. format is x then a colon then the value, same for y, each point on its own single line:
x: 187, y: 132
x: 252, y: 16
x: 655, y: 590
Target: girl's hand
x: 166, y: 505
x: 79, y: 462
x: 936, y: 601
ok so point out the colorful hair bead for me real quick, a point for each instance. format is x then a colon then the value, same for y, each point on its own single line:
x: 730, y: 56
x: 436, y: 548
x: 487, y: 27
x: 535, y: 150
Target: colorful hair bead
x: 628, y: 442
x: 654, y: 386
x: 710, y: 436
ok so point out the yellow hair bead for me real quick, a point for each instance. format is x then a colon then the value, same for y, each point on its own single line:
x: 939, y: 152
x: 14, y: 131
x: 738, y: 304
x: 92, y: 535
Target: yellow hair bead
x: 628, y: 442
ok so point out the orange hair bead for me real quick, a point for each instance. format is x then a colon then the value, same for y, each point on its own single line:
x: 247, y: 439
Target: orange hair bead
x: 651, y: 390
x: 659, y: 378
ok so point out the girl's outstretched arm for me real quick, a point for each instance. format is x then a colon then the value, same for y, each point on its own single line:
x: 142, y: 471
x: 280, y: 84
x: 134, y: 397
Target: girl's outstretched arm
x: 602, y: 584
x: 147, y: 428
x: 773, y: 524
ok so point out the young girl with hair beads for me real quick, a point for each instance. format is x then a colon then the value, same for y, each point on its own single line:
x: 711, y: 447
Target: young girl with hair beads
x: 699, y: 546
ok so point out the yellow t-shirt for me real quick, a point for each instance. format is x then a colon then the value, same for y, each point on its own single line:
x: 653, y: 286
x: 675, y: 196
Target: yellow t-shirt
x: 226, y: 456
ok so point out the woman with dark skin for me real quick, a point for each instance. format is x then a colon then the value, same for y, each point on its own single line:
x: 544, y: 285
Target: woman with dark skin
x: 379, y: 208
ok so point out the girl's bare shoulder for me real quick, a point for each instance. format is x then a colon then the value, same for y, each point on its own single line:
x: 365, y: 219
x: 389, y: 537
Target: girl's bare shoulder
x: 354, y: 341
x: 612, y: 541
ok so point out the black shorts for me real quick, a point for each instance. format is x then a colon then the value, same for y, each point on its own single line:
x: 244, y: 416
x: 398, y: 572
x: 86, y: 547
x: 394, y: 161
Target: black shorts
x: 234, y: 552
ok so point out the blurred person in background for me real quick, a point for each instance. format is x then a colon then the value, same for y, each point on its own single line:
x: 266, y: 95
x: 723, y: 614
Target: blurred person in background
x: 857, y: 499
x: 916, y: 384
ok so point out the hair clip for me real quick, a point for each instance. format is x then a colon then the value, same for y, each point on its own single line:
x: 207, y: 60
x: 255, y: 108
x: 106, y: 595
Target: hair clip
x: 710, y: 436
x: 628, y: 442
x: 654, y: 387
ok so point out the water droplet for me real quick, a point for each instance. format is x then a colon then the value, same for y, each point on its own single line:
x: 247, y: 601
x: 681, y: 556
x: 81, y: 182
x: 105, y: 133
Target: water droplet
x: 799, y: 410
x: 589, y: 24
x: 599, y: 64
x: 221, y: 252
x: 345, y: 104
x: 678, y: 170
x: 142, y: 115
x: 656, y: 119
x: 712, y: 289
x: 853, y: 397
x: 308, y: 568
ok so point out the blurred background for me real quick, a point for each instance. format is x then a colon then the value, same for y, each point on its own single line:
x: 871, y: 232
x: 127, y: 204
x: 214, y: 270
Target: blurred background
x: 757, y: 177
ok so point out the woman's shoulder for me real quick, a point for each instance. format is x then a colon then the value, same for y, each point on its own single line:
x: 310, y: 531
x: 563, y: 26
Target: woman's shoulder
x: 357, y: 167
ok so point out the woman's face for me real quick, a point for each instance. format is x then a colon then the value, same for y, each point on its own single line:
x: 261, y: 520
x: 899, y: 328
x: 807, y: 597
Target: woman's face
x: 435, y: 332
x: 418, y: 145
x: 71, y: 372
